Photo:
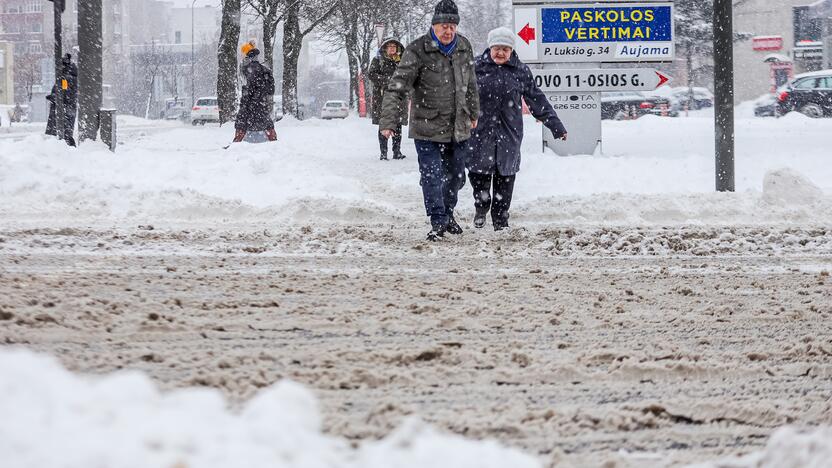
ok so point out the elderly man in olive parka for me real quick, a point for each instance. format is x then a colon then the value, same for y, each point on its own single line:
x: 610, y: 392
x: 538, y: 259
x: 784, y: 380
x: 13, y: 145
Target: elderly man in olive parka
x: 438, y: 68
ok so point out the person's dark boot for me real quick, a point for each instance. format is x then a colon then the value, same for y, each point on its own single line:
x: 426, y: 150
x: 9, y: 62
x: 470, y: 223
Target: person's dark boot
x: 383, y: 156
x: 397, y: 146
x: 239, y: 135
x: 453, y: 227
x: 435, y: 234
x: 479, y: 219
x: 500, y: 225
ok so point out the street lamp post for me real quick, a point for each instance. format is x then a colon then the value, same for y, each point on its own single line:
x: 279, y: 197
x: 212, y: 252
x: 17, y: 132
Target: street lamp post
x: 193, y: 41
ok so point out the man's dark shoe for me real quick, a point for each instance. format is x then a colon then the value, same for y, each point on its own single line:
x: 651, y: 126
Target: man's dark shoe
x: 398, y: 155
x: 383, y: 157
x: 435, y: 235
x: 453, y: 227
x: 500, y: 226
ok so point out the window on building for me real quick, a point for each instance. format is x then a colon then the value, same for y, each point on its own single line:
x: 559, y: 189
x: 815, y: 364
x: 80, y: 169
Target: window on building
x: 178, y: 39
x: 35, y: 48
x: 37, y: 27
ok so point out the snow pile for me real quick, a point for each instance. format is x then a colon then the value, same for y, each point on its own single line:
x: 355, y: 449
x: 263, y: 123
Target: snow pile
x: 52, y: 418
x: 788, y: 448
x: 654, y: 171
x: 790, y: 187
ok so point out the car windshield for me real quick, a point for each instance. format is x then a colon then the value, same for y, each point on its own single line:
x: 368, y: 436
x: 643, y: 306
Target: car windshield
x: 207, y: 102
x: 335, y: 104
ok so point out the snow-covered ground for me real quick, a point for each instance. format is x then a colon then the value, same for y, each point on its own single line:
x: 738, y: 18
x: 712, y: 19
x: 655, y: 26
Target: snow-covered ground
x: 631, y: 317
x: 52, y: 418
x: 654, y: 171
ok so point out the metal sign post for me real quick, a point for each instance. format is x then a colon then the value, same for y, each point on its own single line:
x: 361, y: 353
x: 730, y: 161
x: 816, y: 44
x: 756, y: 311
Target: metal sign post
x: 724, y: 94
x: 571, y: 39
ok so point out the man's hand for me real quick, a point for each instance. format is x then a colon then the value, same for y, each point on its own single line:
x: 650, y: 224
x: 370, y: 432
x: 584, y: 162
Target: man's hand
x: 387, y: 133
x: 564, y: 137
x: 474, y: 123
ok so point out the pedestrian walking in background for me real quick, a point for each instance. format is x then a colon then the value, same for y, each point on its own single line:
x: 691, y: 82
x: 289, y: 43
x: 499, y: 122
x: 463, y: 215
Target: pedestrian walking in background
x: 257, y: 93
x: 381, y: 70
x: 437, y: 69
x: 494, y: 160
x: 67, y: 90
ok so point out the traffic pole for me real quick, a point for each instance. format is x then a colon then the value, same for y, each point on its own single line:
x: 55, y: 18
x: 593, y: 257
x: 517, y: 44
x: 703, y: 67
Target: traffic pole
x: 724, y: 94
x: 60, y: 116
x: 90, y: 68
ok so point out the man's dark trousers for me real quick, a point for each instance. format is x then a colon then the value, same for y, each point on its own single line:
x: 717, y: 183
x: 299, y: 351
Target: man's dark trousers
x: 442, y: 166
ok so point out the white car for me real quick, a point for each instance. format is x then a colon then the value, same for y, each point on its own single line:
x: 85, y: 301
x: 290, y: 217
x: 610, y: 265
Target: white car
x: 335, y: 110
x: 205, y: 110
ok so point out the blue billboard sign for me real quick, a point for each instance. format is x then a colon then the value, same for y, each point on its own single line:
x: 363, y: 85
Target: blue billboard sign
x: 601, y: 32
x: 607, y: 24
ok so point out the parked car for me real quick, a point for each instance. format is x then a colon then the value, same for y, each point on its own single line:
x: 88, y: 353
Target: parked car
x: 206, y: 109
x: 702, y: 98
x: 809, y: 93
x: 177, y: 113
x: 335, y: 110
x: 766, y: 106
x: 622, y: 105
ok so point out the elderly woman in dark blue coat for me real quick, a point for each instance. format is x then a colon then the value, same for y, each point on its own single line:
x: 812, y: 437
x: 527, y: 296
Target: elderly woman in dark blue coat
x: 504, y: 82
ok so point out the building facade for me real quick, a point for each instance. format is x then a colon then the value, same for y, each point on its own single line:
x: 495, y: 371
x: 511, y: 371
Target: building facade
x: 7, y: 74
x: 773, y: 51
x: 821, y: 13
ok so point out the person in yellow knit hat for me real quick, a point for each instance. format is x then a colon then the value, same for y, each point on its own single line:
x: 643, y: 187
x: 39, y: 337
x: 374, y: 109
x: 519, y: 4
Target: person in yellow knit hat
x: 257, y: 94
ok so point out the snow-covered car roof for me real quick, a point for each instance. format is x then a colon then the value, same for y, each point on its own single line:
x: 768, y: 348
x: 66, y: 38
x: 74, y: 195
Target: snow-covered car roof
x: 814, y: 73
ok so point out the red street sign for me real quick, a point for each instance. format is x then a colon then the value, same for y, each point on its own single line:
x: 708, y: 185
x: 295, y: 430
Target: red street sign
x: 767, y: 43
x: 527, y: 33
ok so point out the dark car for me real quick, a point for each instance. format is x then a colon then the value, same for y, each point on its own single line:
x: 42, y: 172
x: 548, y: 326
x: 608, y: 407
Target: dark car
x: 694, y: 98
x: 632, y: 105
x: 810, y: 94
x: 766, y: 106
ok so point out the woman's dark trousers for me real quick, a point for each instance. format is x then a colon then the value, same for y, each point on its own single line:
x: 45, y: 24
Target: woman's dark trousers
x: 500, y: 203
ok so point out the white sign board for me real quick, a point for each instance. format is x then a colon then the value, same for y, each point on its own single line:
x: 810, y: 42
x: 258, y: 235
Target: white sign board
x: 625, y: 79
x: 581, y: 114
x: 595, y: 32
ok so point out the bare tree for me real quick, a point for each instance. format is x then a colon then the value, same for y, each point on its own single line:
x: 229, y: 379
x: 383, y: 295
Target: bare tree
x: 481, y: 16
x: 147, y: 64
x: 353, y: 29
x: 312, y: 13
x: 227, y: 59
x: 26, y: 74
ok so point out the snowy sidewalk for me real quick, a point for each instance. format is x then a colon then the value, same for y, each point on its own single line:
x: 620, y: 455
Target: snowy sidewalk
x: 655, y: 171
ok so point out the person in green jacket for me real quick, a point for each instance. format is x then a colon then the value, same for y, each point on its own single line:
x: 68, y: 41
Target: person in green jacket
x: 437, y: 70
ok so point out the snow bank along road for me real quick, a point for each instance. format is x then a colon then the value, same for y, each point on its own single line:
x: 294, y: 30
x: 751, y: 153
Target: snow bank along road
x: 604, y: 327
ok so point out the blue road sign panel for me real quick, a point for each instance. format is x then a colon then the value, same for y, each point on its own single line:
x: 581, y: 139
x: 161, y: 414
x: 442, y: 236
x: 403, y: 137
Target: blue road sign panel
x: 608, y: 24
x: 574, y: 32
